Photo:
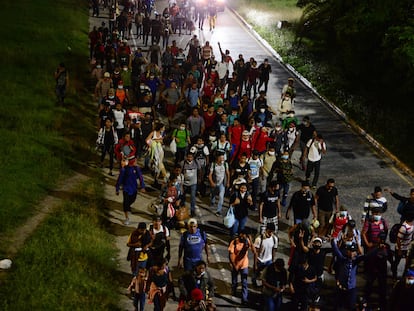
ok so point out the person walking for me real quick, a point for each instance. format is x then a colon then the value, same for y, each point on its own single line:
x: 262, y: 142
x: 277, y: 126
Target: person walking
x: 274, y: 284
x: 266, y: 246
x: 127, y: 180
x: 107, y: 139
x: 241, y: 201
x: 269, y: 208
x: 192, y: 243
x: 315, y: 148
x: 239, y: 261
x: 264, y: 72
x: 62, y: 83
x: 302, y: 203
x: 190, y: 170
x: 326, y: 199
x: 219, y: 178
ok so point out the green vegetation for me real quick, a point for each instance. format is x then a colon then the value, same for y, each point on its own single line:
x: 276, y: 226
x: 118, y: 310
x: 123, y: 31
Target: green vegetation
x: 357, y: 54
x: 67, y: 264
x: 34, y: 133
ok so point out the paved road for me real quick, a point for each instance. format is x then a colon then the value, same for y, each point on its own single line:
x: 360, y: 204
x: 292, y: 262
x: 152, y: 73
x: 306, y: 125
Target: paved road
x: 354, y: 164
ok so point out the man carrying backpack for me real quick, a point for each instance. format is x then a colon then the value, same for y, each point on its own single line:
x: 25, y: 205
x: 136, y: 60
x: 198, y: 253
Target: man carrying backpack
x: 266, y: 247
x: 160, y: 241
x: 192, y: 243
x: 219, y: 178
x: 190, y: 171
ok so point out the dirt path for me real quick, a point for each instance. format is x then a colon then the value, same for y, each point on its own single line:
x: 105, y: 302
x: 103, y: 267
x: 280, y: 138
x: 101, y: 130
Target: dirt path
x: 14, y: 242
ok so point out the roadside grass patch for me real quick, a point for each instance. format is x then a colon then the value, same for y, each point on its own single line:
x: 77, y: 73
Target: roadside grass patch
x: 34, y: 145
x: 68, y: 263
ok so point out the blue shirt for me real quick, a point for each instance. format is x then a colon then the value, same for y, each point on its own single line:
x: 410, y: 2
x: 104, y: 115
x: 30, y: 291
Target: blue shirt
x: 347, y: 268
x: 128, y: 179
x: 193, y: 244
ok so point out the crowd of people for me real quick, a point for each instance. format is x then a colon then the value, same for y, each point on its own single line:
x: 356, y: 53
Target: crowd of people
x: 213, y: 115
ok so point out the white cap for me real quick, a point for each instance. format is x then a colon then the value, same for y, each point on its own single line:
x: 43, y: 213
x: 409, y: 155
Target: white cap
x: 192, y: 221
x: 317, y: 239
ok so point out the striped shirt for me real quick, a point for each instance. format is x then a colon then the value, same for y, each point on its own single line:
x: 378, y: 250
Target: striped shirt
x: 405, y: 235
x: 373, y: 230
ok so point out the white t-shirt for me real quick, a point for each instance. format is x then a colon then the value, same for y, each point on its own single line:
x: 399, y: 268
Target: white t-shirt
x: 255, y: 166
x: 265, y: 250
x: 119, y: 116
x: 315, y: 150
x: 161, y: 229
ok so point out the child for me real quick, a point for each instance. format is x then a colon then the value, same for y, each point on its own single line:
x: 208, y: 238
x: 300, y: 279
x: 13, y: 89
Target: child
x: 137, y: 288
x: 159, y: 281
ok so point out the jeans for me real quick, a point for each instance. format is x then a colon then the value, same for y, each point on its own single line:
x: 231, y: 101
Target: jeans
x: 193, y: 191
x: 239, y: 225
x: 255, y: 191
x: 260, y: 268
x: 273, y: 303
x: 221, y: 190
x: 285, y: 188
x: 234, y: 274
x: 310, y: 167
x: 139, y: 298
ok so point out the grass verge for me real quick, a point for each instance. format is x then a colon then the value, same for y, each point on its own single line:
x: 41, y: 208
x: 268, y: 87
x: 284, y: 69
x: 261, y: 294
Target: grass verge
x: 37, y: 136
x: 68, y: 263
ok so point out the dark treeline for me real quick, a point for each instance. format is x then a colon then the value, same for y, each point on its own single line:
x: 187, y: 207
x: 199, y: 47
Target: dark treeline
x: 369, y: 47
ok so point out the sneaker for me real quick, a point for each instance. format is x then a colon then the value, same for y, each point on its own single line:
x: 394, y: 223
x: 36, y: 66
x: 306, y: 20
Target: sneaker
x: 126, y: 222
x: 218, y: 214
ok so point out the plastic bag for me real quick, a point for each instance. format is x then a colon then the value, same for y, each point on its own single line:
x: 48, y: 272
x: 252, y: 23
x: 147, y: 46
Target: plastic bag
x: 229, y: 219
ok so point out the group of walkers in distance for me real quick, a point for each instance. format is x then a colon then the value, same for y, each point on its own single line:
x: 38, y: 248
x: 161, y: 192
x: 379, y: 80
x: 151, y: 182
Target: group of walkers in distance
x: 213, y: 116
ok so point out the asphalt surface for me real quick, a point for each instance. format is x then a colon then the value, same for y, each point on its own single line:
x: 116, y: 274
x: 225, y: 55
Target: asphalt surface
x: 356, y: 166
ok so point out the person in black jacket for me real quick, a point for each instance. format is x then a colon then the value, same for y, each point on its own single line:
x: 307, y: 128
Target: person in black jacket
x: 302, y: 202
x: 241, y: 200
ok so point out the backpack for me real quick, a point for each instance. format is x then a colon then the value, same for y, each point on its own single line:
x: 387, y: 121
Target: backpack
x: 394, y: 232
x: 226, y: 167
x: 160, y: 240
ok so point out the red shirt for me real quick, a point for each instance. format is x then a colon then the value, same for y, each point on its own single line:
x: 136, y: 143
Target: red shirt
x: 260, y: 140
x: 236, y: 133
x: 208, y: 89
x: 174, y: 50
x: 209, y: 119
x: 339, y: 223
x: 245, y: 147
